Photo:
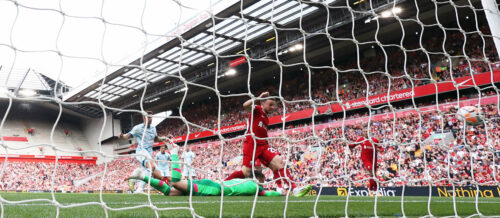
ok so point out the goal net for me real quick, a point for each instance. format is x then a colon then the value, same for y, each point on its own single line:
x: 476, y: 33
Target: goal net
x: 392, y: 71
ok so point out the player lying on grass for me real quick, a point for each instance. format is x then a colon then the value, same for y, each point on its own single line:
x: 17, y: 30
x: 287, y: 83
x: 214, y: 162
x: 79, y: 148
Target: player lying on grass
x: 206, y: 187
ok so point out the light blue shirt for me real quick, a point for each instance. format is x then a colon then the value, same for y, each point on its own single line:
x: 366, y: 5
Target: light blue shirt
x: 145, y: 140
x: 188, y: 157
x: 161, y: 158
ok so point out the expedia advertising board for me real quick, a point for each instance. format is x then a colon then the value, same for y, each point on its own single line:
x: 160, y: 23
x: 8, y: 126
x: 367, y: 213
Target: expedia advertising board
x: 467, y: 191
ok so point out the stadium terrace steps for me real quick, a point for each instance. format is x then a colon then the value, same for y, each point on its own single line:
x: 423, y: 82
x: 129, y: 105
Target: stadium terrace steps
x: 43, y: 128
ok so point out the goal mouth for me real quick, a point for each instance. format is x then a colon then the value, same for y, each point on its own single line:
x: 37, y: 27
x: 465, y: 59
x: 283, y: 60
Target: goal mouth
x: 396, y: 100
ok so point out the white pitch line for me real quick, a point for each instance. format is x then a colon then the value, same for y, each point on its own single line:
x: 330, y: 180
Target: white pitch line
x: 242, y: 201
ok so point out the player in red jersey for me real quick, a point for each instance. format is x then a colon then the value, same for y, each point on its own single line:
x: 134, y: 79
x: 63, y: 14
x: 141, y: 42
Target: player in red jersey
x: 267, y: 155
x: 369, y: 157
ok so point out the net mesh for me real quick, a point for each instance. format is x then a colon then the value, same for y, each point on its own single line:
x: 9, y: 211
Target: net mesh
x: 361, y: 66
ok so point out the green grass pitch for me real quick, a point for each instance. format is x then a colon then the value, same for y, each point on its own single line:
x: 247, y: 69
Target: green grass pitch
x: 328, y: 206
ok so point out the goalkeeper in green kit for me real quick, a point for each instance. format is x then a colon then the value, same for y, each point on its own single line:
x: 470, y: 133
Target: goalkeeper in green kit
x: 206, y: 187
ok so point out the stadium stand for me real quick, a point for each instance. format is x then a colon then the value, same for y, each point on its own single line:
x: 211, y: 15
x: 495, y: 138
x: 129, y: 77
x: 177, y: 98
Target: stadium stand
x: 32, y: 121
x: 302, y: 161
x: 40, y: 118
x: 404, y: 161
x: 420, y: 80
x: 353, y: 87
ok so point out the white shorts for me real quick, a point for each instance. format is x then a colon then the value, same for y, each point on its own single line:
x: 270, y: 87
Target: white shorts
x: 164, y: 171
x: 144, y: 155
x: 187, y: 171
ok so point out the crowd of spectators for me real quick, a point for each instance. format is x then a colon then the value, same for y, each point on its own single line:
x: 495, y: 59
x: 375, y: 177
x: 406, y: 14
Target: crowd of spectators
x: 421, y: 68
x: 67, y: 177
x: 472, y: 157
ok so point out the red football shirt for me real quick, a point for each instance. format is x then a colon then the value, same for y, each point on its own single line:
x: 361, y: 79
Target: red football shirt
x: 259, y: 124
x: 366, y: 147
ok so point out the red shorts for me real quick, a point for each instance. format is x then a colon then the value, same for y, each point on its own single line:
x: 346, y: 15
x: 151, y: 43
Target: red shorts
x: 369, y: 163
x: 263, y: 152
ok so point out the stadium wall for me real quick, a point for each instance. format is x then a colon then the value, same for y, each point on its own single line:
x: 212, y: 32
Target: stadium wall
x: 67, y: 135
x: 107, y: 142
x: 48, y: 159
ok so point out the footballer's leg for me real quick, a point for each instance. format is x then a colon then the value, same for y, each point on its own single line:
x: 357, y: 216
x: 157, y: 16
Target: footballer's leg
x: 132, y: 182
x: 239, y: 174
x: 151, y: 166
x: 176, y: 175
x: 140, y: 174
x: 248, y: 157
x: 165, y: 173
x: 203, y: 187
x: 157, y: 174
x: 302, y: 191
x: 272, y: 159
x: 142, y: 158
x: 159, y: 185
x: 175, y: 192
x: 181, y: 185
x: 374, y: 184
x: 368, y: 164
x: 188, y: 172
x: 247, y: 170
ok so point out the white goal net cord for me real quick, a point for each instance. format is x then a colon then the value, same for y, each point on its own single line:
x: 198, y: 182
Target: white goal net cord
x: 396, y: 139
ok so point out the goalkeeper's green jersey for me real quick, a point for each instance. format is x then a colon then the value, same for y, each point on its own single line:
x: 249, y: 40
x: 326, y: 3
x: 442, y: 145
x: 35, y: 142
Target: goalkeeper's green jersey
x: 247, y: 187
x: 234, y: 187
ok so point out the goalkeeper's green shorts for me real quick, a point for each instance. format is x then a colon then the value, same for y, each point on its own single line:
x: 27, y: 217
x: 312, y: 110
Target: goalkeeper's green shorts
x: 204, y: 187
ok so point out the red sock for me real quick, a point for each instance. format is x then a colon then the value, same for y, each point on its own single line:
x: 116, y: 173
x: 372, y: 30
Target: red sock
x: 281, y: 173
x: 373, y: 185
x: 166, y: 180
x: 277, y: 175
x: 235, y: 175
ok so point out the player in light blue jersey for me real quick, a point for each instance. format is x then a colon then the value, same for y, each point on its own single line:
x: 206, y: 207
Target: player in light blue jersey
x: 162, y: 159
x: 146, y: 136
x: 188, y: 158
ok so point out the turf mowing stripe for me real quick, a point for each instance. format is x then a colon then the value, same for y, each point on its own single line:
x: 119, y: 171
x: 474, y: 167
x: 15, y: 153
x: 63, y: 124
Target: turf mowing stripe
x: 290, y: 201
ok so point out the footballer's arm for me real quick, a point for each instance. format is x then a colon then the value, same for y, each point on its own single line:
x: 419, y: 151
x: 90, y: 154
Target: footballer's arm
x: 248, y: 104
x: 125, y: 136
